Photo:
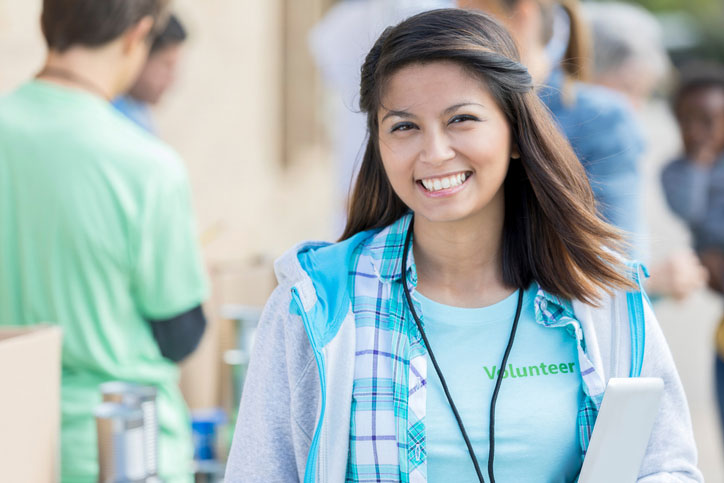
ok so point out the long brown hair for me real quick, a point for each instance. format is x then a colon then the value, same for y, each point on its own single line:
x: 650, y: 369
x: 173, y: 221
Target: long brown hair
x: 551, y: 232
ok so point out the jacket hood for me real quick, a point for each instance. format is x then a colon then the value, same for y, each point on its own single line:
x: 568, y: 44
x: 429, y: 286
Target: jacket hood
x: 318, y: 272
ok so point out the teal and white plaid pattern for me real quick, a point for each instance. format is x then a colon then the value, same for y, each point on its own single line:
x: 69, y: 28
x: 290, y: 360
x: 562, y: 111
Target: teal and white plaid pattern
x: 387, y: 433
x: 386, y: 438
x: 552, y: 311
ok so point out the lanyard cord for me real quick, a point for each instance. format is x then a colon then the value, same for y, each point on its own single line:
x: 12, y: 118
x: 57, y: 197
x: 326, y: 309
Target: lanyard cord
x: 498, y: 383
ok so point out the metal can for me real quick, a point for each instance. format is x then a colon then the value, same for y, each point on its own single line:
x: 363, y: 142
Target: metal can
x: 120, y: 443
x: 144, y: 398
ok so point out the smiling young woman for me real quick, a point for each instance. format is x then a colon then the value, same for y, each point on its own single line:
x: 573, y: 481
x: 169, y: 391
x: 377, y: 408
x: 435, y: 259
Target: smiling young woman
x: 466, y: 324
x: 551, y: 232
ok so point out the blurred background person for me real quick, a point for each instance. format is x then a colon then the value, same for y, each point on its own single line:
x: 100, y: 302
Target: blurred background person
x: 694, y: 183
x: 96, y: 231
x: 598, y: 122
x: 635, y: 66
x: 157, y: 75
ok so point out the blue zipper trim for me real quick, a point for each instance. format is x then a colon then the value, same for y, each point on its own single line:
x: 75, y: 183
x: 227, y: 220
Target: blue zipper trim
x: 311, y: 467
x: 637, y: 321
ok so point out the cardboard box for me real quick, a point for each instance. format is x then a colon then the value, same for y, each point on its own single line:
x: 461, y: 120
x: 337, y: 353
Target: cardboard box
x: 30, y: 403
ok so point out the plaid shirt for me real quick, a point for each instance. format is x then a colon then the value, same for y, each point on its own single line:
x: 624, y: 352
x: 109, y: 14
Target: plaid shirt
x: 387, y: 433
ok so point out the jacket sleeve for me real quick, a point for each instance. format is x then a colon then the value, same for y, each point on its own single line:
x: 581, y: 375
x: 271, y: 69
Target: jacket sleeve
x: 671, y: 454
x: 270, y: 443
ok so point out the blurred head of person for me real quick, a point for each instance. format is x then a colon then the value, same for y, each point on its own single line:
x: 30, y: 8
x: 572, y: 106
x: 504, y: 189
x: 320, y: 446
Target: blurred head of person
x: 547, y: 32
x: 547, y: 203
x: 631, y: 64
x: 159, y: 71
x: 699, y: 107
x: 103, y: 38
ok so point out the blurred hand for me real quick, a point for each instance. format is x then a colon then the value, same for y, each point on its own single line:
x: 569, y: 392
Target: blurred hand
x: 713, y: 260
x: 677, y: 276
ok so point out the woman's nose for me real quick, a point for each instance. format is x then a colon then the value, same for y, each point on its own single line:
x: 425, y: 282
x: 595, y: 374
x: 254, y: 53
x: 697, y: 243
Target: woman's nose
x: 436, y: 148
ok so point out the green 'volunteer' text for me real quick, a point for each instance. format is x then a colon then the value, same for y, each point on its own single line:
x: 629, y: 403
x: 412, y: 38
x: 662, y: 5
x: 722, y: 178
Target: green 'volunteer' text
x: 542, y: 369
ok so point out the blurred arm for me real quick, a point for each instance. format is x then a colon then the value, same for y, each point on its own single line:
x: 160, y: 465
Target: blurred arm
x: 179, y: 336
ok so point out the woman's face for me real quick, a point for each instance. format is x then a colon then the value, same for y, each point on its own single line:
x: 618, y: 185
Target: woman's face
x: 445, y: 143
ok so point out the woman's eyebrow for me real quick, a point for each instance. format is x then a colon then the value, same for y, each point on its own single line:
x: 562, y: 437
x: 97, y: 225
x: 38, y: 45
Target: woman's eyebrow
x: 454, y: 108
x: 403, y: 114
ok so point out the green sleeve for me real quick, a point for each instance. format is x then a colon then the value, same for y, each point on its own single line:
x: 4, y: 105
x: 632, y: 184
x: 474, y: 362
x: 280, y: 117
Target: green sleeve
x: 169, y: 278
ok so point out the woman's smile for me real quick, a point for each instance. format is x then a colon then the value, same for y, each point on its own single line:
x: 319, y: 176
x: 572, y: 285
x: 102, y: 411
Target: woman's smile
x: 445, y: 185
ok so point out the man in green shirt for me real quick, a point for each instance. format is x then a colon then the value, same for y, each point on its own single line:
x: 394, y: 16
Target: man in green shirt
x: 96, y: 229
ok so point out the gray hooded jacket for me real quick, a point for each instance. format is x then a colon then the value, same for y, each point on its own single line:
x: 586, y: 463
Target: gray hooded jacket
x: 294, y: 417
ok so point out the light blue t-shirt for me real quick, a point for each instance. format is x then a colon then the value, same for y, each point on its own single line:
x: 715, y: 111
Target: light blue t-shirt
x: 536, y: 438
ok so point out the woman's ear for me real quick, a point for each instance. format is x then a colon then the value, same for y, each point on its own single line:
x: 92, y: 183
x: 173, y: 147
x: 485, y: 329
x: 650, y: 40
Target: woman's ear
x: 514, y: 153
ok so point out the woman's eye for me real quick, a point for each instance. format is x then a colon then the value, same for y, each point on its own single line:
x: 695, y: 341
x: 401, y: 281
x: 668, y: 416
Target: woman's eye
x: 462, y: 117
x: 402, y: 126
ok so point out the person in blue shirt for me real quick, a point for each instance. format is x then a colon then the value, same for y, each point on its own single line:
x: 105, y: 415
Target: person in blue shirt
x: 636, y: 65
x: 156, y: 77
x: 465, y: 325
x: 694, y: 183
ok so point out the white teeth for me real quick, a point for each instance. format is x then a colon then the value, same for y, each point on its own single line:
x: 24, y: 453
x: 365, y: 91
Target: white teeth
x: 437, y: 184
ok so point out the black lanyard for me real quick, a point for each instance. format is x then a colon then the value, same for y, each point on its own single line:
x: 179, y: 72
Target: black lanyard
x: 491, y: 434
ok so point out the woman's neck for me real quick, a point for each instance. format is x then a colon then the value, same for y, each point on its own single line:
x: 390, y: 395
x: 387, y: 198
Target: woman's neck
x: 460, y: 263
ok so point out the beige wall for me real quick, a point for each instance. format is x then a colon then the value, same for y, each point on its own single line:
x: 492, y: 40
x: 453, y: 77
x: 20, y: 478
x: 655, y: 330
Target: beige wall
x: 227, y: 117
x: 21, y: 45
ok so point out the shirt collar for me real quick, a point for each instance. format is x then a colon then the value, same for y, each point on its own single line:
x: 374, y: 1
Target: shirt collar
x: 385, y: 250
x: 552, y: 310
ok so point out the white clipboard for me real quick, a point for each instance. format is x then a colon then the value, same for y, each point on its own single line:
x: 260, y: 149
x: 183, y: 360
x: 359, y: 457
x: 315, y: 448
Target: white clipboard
x: 622, y: 430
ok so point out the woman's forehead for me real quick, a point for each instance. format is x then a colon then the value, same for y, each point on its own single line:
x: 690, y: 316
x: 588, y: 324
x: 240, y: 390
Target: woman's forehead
x: 431, y: 83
